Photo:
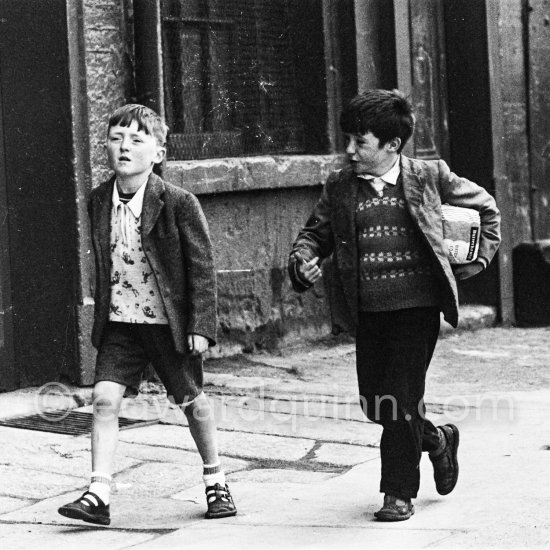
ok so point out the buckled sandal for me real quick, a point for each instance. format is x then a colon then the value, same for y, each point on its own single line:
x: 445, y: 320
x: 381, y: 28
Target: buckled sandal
x: 89, y: 507
x: 220, y: 502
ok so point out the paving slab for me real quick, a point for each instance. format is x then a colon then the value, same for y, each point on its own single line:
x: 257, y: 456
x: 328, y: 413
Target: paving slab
x: 9, y: 504
x: 50, y: 452
x: 235, y: 444
x: 159, y: 478
x: 152, y: 514
x: 27, y: 483
x: 318, y: 537
x: 344, y: 455
x: 164, y: 478
x: 154, y: 453
x: 22, y: 536
x: 326, y: 503
x: 265, y: 418
x: 276, y: 475
x: 151, y: 453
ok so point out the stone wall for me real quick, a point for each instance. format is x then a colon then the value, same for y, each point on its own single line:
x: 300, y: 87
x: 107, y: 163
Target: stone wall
x: 109, y: 70
x: 255, y: 207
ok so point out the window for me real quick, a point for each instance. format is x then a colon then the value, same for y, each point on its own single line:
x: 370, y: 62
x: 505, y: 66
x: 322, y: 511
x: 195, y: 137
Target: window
x: 243, y: 77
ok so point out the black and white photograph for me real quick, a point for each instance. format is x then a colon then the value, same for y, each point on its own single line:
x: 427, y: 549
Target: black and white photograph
x: 274, y: 274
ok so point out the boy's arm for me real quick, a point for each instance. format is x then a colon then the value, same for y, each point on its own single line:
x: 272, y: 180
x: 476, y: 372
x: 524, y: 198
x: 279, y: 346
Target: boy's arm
x: 315, y: 240
x: 201, y: 275
x: 462, y: 192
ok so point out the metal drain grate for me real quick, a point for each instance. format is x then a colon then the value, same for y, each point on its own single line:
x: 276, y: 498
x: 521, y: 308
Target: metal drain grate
x: 72, y: 423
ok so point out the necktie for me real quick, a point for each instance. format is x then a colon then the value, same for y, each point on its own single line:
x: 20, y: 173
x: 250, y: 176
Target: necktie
x: 378, y: 185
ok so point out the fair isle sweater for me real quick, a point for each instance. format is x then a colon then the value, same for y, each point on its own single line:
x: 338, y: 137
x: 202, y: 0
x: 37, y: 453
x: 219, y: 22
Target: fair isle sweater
x: 395, y: 265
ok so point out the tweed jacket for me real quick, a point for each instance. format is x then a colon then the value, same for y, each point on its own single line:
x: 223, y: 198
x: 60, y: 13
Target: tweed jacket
x: 176, y: 242
x: 330, y: 231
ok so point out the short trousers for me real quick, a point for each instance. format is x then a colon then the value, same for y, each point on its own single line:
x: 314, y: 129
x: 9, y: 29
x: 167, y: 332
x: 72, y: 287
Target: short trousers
x: 127, y: 349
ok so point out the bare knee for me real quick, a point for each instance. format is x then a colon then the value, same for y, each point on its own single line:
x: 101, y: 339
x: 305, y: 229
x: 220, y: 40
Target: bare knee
x: 198, y: 408
x: 107, y: 398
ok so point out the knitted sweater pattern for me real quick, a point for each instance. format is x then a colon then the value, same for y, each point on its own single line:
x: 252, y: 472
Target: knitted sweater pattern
x: 395, y: 265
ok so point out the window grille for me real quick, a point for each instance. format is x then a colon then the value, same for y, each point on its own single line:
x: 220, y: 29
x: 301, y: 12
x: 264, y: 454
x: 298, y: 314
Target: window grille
x: 231, y: 78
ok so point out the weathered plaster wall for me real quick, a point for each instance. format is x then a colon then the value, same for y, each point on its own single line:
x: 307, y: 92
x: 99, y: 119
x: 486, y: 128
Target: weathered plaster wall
x: 255, y: 207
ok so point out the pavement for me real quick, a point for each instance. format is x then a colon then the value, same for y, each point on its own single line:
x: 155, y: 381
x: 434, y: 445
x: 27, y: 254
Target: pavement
x: 301, y: 460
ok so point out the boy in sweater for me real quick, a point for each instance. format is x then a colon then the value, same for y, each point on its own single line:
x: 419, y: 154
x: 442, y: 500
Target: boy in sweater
x: 389, y: 278
x: 155, y: 301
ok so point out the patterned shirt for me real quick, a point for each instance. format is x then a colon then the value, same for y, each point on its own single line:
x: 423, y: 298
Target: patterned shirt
x: 135, y: 295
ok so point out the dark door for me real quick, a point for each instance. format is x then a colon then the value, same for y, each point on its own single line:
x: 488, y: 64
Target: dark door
x: 38, y: 191
x: 6, y: 343
x: 442, y: 64
x: 421, y: 68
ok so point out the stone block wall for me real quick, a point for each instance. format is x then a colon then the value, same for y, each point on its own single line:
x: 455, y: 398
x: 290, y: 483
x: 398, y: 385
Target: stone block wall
x: 255, y: 207
x: 109, y: 70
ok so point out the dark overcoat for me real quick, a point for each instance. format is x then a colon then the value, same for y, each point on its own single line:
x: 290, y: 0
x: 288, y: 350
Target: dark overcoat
x: 331, y: 231
x: 176, y: 242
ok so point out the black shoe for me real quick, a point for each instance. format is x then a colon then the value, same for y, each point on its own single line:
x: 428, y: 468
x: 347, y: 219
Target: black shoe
x: 220, y: 502
x: 89, y: 507
x: 391, y: 511
x: 445, y: 461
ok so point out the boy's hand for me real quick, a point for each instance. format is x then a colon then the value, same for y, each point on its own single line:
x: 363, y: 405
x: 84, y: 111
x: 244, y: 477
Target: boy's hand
x: 310, y: 271
x: 468, y: 270
x: 197, y: 344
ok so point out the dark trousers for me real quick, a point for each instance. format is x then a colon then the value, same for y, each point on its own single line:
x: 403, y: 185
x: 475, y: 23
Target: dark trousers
x: 394, y: 350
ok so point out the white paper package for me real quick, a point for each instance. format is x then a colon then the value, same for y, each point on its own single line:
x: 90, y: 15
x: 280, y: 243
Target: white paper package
x: 461, y: 228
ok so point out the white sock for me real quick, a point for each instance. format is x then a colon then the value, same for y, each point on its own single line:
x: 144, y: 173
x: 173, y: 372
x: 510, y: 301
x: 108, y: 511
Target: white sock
x: 101, y: 486
x: 212, y: 474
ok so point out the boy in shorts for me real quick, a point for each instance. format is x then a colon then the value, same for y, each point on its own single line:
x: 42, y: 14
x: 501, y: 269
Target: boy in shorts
x: 155, y: 301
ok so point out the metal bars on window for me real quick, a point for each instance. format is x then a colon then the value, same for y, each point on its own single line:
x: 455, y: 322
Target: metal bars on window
x: 230, y: 78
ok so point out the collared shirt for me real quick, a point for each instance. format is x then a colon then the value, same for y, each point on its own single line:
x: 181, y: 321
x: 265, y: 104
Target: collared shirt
x: 122, y: 211
x: 379, y: 182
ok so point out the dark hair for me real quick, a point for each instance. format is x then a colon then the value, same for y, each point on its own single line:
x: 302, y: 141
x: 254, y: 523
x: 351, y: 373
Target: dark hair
x: 387, y: 114
x: 148, y: 121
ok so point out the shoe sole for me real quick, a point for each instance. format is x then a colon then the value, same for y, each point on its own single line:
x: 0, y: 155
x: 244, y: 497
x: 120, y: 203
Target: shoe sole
x: 456, y: 435
x: 392, y: 517
x: 79, y: 514
x: 220, y: 514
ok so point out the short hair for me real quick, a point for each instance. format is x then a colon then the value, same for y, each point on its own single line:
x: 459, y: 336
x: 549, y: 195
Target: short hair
x: 148, y: 120
x: 387, y: 114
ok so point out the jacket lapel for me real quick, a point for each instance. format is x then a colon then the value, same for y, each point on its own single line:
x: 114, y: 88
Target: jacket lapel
x: 346, y: 208
x: 413, y: 185
x: 152, y: 203
x: 346, y: 245
x: 102, y: 222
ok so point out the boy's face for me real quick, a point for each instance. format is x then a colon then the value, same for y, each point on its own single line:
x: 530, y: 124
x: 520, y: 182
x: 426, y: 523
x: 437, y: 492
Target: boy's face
x: 132, y: 152
x: 367, y: 156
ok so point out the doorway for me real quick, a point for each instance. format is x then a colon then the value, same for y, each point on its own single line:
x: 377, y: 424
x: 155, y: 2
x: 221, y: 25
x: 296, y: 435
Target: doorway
x: 7, y: 371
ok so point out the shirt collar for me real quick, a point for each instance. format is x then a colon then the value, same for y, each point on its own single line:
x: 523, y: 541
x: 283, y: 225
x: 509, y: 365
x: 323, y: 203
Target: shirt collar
x: 391, y: 176
x: 135, y: 204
